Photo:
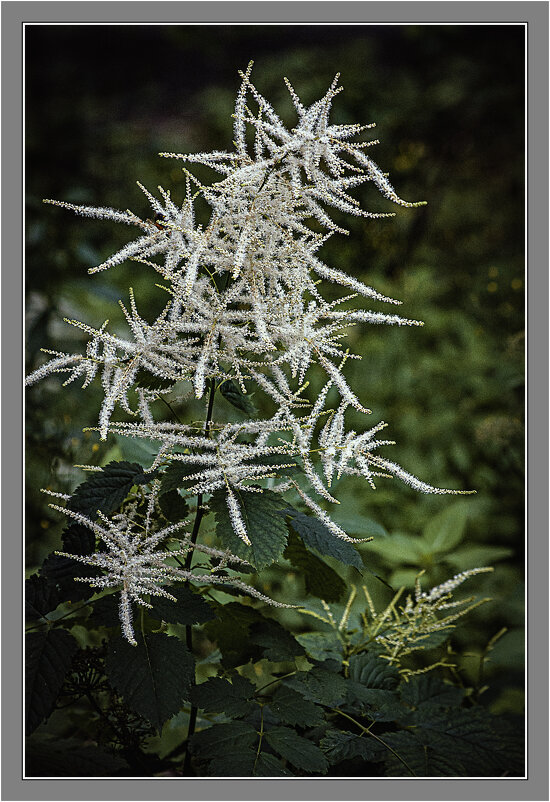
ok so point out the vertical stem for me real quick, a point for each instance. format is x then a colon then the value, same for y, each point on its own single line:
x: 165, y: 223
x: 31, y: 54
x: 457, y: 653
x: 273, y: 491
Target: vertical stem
x: 199, y: 514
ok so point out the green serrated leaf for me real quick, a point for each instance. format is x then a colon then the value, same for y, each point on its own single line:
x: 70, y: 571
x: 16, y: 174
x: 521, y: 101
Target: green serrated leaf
x: 230, y: 630
x: 220, y: 738
x: 270, y: 766
x: 233, y: 762
x: 175, y: 475
x: 48, y: 657
x: 297, y: 750
x: 371, y: 671
x: 291, y: 708
x: 320, y: 686
x: 67, y: 757
x: 154, y: 678
x: 410, y: 757
x: 41, y: 597
x: 465, y: 736
x: 426, y: 690
x: 445, y: 530
x: 320, y: 579
x: 190, y: 608
x: 107, y: 490
x: 338, y: 746
x: 375, y: 703
x: 173, y: 506
x: 316, y: 535
x: 231, y: 391
x: 276, y: 642
x: 266, y: 529
x: 321, y: 645
x: 220, y: 696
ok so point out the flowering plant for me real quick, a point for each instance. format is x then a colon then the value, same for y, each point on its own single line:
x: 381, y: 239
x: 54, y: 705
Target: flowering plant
x: 244, y: 305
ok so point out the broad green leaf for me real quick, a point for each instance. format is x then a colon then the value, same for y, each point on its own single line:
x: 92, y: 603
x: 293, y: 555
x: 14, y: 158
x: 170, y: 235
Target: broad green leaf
x: 426, y: 690
x: 173, y: 506
x: 399, y: 548
x: 319, y: 686
x: 375, y: 703
x: 372, y: 686
x: 372, y: 671
x: 41, y: 596
x: 466, y: 735
x: 231, y: 391
x: 133, y: 449
x: 303, y: 754
x: 322, y: 645
x: 291, y: 708
x: 68, y: 757
x: 217, y: 695
x: 220, y: 738
x: 175, y: 475
x: 411, y: 757
x: 316, y: 535
x: 190, y: 608
x: 276, y: 642
x: 473, y: 556
x: 266, y: 528
x: 233, y: 761
x: 320, y: 579
x: 48, y: 657
x: 230, y: 630
x: 270, y: 766
x: 154, y: 678
x: 107, y: 490
x: 446, y: 529
x: 338, y: 746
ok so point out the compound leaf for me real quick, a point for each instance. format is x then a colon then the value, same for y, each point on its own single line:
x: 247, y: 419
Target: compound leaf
x: 154, y: 678
x: 217, y: 695
x: 291, y: 708
x: 297, y: 750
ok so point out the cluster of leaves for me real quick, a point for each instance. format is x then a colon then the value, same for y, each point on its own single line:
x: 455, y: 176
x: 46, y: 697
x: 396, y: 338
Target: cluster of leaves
x: 320, y: 702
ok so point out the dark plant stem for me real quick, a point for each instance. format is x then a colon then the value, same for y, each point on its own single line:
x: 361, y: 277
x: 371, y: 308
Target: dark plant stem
x: 199, y: 514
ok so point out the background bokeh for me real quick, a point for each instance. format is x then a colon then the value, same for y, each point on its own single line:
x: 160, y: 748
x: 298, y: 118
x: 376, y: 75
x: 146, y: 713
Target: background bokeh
x: 448, y: 101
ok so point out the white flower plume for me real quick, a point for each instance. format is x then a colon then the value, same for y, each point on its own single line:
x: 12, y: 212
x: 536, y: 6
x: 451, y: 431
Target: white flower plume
x: 135, y: 565
x: 245, y: 303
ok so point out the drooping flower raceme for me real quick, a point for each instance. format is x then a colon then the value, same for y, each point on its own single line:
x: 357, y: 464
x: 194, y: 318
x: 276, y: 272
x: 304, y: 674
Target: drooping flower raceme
x: 245, y: 303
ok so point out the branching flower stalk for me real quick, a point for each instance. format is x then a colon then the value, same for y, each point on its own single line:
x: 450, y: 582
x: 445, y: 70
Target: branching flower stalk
x: 244, y: 304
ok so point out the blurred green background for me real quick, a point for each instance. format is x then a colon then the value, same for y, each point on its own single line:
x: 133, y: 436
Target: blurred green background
x: 448, y: 101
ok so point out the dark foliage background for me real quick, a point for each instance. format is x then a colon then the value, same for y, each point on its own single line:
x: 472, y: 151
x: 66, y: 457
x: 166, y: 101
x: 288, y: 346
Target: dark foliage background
x: 102, y: 101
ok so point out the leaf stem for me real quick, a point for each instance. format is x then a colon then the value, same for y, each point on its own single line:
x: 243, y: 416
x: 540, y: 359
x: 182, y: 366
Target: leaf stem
x: 367, y: 731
